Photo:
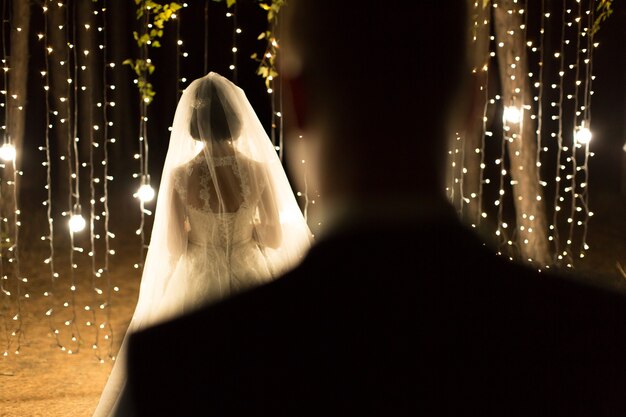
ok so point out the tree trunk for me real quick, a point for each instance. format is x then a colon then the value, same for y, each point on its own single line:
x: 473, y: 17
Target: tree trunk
x: 15, y: 111
x: 531, y: 222
x: 470, y: 202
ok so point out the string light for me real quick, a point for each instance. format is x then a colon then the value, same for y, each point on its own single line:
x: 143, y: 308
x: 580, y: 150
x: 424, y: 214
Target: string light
x: 109, y: 105
x: 77, y: 223
x: 7, y: 152
x: 582, y: 134
x: 512, y: 114
x: 233, y: 49
x: 95, y: 113
x: 179, y: 53
x: 145, y: 193
x: 50, y: 260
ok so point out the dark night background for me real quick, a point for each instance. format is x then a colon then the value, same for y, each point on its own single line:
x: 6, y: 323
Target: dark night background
x: 608, y: 103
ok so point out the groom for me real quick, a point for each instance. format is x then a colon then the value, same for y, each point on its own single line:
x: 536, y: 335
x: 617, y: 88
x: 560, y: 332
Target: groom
x: 398, y: 309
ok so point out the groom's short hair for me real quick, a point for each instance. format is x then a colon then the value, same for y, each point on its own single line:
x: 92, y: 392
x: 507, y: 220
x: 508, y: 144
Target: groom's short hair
x: 412, y: 48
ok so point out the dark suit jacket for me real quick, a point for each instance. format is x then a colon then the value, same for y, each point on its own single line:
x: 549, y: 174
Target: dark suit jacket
x: 418, y: 319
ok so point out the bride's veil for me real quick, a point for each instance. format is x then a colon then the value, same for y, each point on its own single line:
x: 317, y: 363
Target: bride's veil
x: 215, y: 121
x: 219, y: 157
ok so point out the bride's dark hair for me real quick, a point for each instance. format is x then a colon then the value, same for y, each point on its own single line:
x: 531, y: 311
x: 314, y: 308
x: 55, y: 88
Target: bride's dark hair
x: 213, y: 117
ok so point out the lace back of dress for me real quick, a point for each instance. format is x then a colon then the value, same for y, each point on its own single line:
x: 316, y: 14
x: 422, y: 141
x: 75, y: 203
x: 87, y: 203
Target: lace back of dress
x: 219, y: 190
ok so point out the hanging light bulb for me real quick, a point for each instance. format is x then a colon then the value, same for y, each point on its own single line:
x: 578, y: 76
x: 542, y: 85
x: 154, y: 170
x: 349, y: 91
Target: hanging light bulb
x: 512, y: 114
x: 77, y: 222
x: 145, y: 192
x: 7, y: 152
x: 582, y: 134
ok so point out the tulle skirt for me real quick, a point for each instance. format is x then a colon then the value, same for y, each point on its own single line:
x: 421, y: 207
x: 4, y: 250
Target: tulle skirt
x: 204, y: 274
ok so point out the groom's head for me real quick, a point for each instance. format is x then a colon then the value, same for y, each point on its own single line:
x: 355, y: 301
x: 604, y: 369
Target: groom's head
x: 382, y: 56
x: 378, y: 81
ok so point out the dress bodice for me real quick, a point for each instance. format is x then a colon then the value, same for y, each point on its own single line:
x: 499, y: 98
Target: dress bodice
x: 205, y: 226
x: 219, y: 230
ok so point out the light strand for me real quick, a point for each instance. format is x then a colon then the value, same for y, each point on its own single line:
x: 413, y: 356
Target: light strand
x: 234, y: 66
x: 589, y: 77
x: 106, y: 305
x: 574, y: 146
x: 50, y: 293
x: 76, y: 221
x: 93, y: 128
x: 483, y: 133
x: 142, y: 155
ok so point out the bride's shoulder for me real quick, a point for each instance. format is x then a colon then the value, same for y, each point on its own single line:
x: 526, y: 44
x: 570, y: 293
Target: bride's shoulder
x: 178, y: 172
x: 180, y: 175
x: 186, y: 168
x: 256, y: 168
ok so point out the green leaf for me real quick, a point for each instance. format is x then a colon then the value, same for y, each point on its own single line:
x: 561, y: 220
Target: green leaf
x: 261, y: 36
x: 229, y: 3
x: 154, y: 13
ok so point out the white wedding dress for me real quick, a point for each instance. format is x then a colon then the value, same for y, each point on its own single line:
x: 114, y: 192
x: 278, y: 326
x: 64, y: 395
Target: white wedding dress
x: 226, y: 218
x: 222, y: 254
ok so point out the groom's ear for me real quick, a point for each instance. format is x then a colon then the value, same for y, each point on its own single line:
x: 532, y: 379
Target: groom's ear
x: 298, y: 100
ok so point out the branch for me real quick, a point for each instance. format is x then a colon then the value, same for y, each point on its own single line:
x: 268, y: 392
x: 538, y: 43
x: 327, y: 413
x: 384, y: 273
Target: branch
x: 155, y: 15
x: 604, y: 9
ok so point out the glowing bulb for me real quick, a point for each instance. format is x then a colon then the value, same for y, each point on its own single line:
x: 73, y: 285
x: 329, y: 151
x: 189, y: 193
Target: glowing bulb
x: 512, y: 114
x: 582, y: 134
x: 7, y: 152
x: 77, y: 223
x: 145, y: 193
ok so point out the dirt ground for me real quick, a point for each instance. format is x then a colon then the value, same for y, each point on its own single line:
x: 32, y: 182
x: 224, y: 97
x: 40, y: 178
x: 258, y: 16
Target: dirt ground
x: 42, y: 380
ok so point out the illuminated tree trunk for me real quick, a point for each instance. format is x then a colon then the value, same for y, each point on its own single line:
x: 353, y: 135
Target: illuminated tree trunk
x: 16, y: 109
x: 530, y: 213
x: 474, y: 134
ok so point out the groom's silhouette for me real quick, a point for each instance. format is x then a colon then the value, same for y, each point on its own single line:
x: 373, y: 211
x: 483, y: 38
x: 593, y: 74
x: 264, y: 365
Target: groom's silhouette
x: 398, y: 309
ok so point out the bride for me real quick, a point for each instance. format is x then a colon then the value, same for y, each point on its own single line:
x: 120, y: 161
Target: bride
x: 226, y: 218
